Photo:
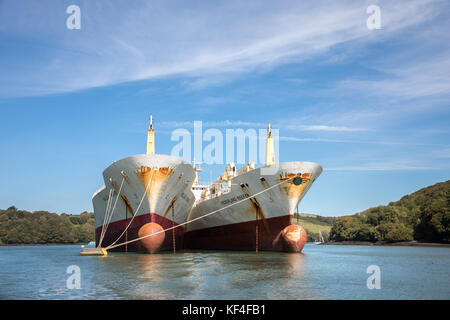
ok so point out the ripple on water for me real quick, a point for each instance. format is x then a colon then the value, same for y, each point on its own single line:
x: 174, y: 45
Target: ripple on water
x: 321, y: 272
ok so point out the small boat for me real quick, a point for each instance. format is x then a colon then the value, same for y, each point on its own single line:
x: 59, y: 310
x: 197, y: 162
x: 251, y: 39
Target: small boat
x: 321, y: 240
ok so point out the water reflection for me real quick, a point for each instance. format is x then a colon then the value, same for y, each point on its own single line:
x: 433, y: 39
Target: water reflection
x: 206, y: 275
x: 322, y: 272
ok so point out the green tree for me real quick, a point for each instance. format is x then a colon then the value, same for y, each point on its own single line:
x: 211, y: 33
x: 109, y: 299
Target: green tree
x: 423, y: 215
x: 39, y: 227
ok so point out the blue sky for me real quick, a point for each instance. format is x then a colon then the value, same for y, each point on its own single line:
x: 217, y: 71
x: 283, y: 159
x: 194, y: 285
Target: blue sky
x: 371, y: 106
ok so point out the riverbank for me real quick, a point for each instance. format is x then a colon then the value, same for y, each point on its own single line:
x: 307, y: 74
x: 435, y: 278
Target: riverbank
x: 340, y: 243
x: 322, y: 272
x: 387, y: 243
x: 41, y: 244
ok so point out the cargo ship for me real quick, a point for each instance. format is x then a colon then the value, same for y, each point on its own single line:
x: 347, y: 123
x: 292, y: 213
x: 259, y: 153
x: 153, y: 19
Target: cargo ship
x: 253, y: 208
x: 153, y: 202
x: 144, y: 194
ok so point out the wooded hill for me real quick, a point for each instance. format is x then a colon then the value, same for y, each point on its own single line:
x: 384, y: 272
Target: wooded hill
x: 42, y: 227
x: 423, y: 216
x: 313, y: 224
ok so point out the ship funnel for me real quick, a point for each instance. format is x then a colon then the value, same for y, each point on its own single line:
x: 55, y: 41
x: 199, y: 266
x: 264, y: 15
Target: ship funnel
x: 151, y: 138
x: 270, y: 153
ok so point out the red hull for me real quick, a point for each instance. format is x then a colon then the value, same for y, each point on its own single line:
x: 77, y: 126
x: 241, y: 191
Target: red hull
x: 238, y: 236
x: 115, y: 229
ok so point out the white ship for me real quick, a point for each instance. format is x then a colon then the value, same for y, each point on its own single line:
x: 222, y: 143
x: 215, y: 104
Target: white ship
x: 151, y: 190
x: 244, y: 221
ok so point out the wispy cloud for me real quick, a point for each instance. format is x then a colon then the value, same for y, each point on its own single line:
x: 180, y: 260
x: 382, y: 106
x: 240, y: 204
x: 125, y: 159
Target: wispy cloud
x: 382, y: 167
x: 214, y: 124
x: 124, y: 42
x: 379, y: 142
x: 212, y: 101
x: 324, y: 128
x: 419, y: 79
x: 442, y: 153
x: 275, y: 123
x: 297, y: 139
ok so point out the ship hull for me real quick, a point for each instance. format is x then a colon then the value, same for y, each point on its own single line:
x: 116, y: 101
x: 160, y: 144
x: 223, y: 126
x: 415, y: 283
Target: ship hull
x: 244, y: 236
x: 142, y: 189
x: 116, y: 229
x: 248, y: 217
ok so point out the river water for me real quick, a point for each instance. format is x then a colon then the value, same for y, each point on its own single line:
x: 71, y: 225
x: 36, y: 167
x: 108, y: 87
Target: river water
x: 320, y: 272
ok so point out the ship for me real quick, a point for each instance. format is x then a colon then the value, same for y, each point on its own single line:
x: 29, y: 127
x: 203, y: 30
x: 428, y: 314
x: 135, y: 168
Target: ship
x: 144, y: 194
x: 154, y: 202
x: 251, y: 208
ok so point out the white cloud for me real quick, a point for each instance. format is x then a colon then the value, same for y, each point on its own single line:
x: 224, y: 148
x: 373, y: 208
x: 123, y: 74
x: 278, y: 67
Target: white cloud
x: 325, y: 128
x: 419, y: 79
x: 275, y: 123
x: 212, y: 101
x: 443, y: 153
x: 297, y: 139
x: 380, y: 142
x: 121, y: 42
x: 382, y: 167
x: 223, y: 123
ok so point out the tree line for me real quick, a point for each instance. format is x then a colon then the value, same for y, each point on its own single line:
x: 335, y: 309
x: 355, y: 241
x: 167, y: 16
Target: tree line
x: 42, y: 227
x: 423, y: 216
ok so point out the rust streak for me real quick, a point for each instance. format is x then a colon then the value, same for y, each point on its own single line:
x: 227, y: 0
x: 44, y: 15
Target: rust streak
x: 258, y: 209
x: 260, y: 214
x: 291, y: 190
x: 114, y: 185
x: 306, y: 176
x: 156, y: 177
x: 265, y: 184
x: 127, y: 204
x: 172, y: 203
x: 170, y: 206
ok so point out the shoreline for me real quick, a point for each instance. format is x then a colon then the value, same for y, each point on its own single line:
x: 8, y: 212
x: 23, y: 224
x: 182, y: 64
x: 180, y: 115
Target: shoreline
x: 331, y: 243
x: 42, y: 244
x: 386, y: 243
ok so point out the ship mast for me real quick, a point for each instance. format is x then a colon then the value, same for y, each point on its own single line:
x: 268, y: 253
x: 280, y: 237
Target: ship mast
x: 196, y: 169
x: 270, y: 153
x: 151, y: 138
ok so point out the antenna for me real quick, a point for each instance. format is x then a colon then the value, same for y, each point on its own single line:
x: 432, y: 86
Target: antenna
x: 150, y: 138
x: 151, y: 123
x: 270, y: 153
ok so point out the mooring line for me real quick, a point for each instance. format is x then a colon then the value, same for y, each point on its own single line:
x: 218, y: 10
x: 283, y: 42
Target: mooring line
x: 137, y: 210
x: 198, y: 218
x: 173, y: 230
x: 108, y: 217
x: 108, y: 203
x: 112, y: 213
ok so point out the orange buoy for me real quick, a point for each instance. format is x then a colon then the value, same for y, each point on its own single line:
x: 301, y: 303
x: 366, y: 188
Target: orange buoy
x: 151, y: 244
x: 293, y: 238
